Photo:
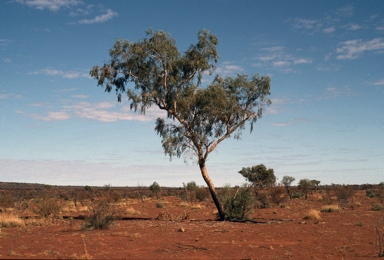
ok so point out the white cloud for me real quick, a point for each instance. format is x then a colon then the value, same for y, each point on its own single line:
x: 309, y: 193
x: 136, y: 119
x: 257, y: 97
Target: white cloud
x: 332, y: 92
x: 278, y: 58
x: 331, y: 29
x: 354, y: 27
x: 307, y: 24
x: 52, y: 5
x: 353, y: 49
x: 9, y: 96
x: 101, y: 111
x: 60, y: 73
x: 99, y: 19
x: 379, y: 83
x: 226, y: 69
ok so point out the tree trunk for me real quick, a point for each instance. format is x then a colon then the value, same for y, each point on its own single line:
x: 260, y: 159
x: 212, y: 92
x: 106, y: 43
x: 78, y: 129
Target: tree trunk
x: 212, y: 190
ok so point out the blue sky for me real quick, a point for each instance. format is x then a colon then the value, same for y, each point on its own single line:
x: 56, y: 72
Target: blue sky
x: 325, y: 60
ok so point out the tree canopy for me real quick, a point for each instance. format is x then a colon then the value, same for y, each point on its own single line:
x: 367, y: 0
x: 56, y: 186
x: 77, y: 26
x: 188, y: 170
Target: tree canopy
x: 259, y: 175
x: 152, y: 72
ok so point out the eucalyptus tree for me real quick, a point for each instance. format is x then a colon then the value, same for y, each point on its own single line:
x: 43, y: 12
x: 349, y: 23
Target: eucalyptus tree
x: 287, y: 182
x: 152, y: 72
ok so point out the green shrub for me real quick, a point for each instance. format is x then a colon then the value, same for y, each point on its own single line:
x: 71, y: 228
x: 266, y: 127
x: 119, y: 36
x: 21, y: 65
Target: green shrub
x: 239, y: 204
x: 297, y: 195
x: 371, y: 193
x: 377, y: 207
x: 101, y: 217
x: 159, y: 205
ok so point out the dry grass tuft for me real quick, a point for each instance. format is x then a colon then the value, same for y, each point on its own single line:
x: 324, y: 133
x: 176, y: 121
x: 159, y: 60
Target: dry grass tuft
x: 11, y: 220
x: 330, y: 208
x: 313, y: 215
x: 197, y: 206
x: 132, y: 211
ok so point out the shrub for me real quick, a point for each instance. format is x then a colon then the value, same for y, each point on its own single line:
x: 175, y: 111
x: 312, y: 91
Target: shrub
x: 297, y: 195
x: 330, y: 208
x: 278, y: 195
x: 345, y: 195
x: 159, y: 205
x: 313, y: 215
x: 46, y: 207
x: 238, y: 206
x: 101, y: 217
x: 6, y: 201
x: 201, y: 194
x: 377, y: 207
x: 371, y: 193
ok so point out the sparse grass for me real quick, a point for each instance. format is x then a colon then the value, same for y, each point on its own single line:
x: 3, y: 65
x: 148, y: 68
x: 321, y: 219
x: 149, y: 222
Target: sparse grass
x: 313, y: 215
x: 184, y: 204
x: 11, y: 220
x: 197, y: 206
x: 126, y: 234
x: 330, y: 208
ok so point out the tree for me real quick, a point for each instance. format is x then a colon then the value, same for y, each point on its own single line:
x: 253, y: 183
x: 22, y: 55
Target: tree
x: 259, y: 176
x: 306, y: 186
x: 152, y: 72
x: 287, y: 182
x: 156, y: 189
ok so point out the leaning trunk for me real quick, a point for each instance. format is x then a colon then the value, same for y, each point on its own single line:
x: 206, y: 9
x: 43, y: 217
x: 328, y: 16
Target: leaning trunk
x: 212, y: 190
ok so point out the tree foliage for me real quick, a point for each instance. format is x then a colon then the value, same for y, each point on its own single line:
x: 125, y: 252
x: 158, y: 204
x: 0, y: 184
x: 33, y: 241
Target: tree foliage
x: 287, y: 182
x: 259, y: 175
x: 156, y: 189
x: 152, y: 72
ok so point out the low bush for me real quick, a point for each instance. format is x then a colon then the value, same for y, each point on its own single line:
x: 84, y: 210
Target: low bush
x: 313, y: 215
x: 239, y: 204
x: 371, y: 193
x: 330, y: 208
x: 47, y: 207
x: 101, y: 217
x: 377, y: 207
x: 278, y: 195
x: 159, y: 205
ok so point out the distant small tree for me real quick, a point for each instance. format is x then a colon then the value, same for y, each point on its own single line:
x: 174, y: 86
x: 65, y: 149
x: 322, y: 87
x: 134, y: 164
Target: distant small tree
x: 287, y: 182
x: 259, y: 176
x: 306, y: 186
x: 190, y: 190
x: 156, y: 189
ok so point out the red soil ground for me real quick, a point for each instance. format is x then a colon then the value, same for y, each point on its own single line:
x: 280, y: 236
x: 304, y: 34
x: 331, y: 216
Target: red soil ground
x: 280, y: 234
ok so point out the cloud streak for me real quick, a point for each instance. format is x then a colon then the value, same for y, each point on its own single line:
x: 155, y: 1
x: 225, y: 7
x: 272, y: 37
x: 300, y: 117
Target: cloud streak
x: 59, y: 73
x: 278, y: 58
x: 106, y: 112
x: 353, y: 49
x: 100, y: 18
x: 52, y: 5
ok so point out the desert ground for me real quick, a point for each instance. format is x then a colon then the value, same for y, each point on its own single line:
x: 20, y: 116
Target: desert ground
x: 169, y: 227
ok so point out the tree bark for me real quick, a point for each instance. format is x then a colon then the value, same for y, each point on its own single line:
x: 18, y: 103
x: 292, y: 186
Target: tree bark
x: 215, y: 197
